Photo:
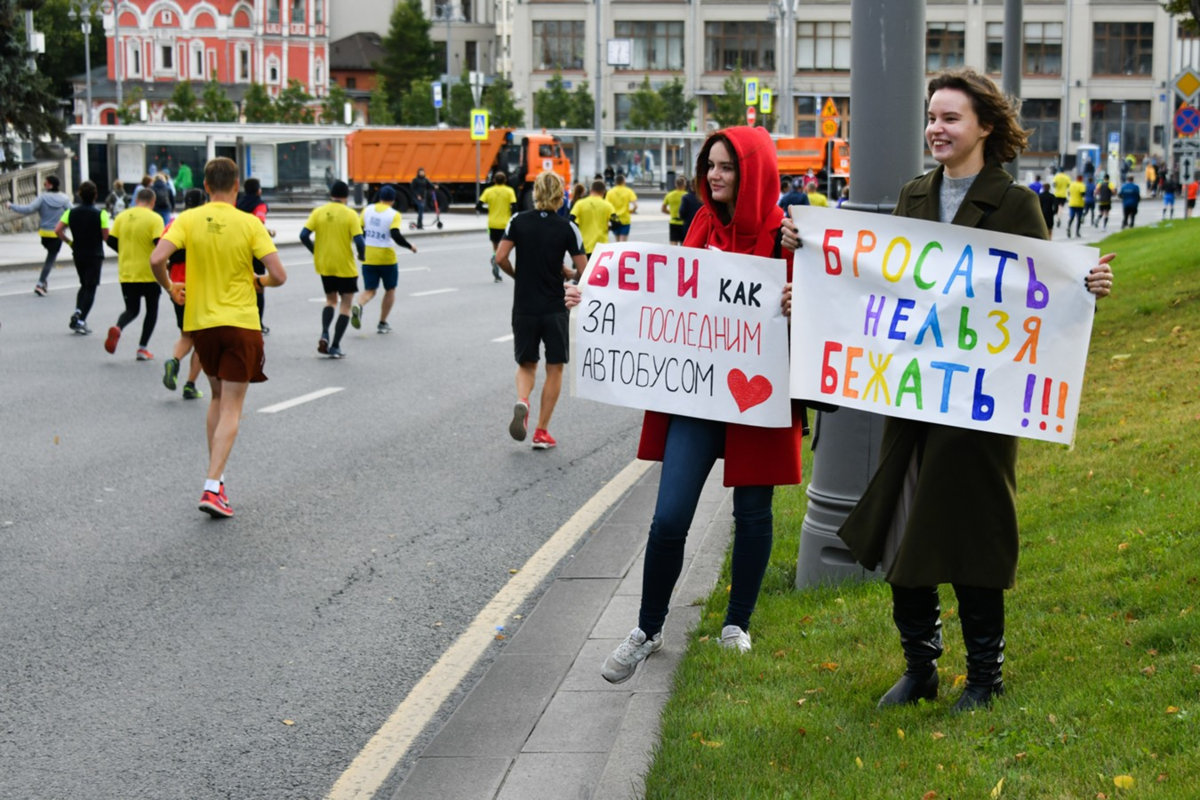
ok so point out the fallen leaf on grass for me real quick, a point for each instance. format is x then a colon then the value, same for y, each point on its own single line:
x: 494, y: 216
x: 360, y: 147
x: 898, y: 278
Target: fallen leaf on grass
x: 1196, y: 669
x: 829, y: 666
x: 1152, y: 652
x: 813, y: 691
x: 1021, y: 756
x: 937, y: 736
x: 1123, y: 546
x: 1123, y: 781
x: 704, y: 638
x: 1148, y: 671
x: 858, y: 761
x: 900, y: 733
x: 1172, y: 709
x: 1053, y: 720
x: 996, y: 792
x: 929, y: 796
x: 779, y: 653
x: 802, y: 732
x: 1101, y: 796
x: 801, y: 701
x: 960, y: 681
x: 1122, y: 357
x: 704, y: 741
x: 1162, y: 777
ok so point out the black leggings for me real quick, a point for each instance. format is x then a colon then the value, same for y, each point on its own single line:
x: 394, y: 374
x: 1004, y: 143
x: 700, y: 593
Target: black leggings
x: 133, y: 293
x: 89, y: 278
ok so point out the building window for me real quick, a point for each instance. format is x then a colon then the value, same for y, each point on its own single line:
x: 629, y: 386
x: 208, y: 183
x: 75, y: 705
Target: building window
x: 472, y: 51
x: 730, y: 45
x: 243, y: 64
x: 165, y: 55
x: 623, y: 106
x: 273, y: 11
x: 273, y: 70
x: 808, y: 116
x: 995, y: 47
x: 168, y: 18
x: 319, y: 75
x: 298, y: 11
x: 558, y: 44
x: 823, y: 46
x: 351, y: 83
x: 198, y: 61
x: 1043, y: 48
x: 1122, y: 48
x: 319, y: 12
x: 656, y: 45
x: 1044, y: 117
x: 133, y: 58
x: 1133, y: 126
x: 944, y: 45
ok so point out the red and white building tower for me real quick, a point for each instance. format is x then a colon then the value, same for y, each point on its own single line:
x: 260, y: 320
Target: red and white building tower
x: 234, y: 42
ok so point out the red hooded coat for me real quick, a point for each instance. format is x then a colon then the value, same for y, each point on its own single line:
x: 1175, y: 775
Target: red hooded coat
x: 753, y: 456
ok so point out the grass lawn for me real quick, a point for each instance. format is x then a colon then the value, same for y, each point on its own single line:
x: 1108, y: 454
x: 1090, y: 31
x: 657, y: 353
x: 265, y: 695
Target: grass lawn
x: 1103, y: 658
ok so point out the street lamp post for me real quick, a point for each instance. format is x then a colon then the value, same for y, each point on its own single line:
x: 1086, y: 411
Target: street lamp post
x: 84, y: 10
x: 116, y: 12
x: 445, y: 11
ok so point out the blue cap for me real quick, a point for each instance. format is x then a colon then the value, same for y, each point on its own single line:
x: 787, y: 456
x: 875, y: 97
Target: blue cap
x: 387, y: 194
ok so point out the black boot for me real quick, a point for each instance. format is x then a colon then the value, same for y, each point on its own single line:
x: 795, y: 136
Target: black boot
x: 917, y: 615
x: 982, y: 614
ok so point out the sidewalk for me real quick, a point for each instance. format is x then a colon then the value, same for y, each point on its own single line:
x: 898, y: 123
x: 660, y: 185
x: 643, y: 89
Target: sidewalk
x: 541, y: 722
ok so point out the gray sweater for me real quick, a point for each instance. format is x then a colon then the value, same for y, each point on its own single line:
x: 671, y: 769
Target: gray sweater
x: 51, y: 207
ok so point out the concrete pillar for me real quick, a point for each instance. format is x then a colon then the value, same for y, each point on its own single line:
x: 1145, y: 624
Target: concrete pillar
x: 84, y: 170
x: 887, y: 103
x: 210, y: 148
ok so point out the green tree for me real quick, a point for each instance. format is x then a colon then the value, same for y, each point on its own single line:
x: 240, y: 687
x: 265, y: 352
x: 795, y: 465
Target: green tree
x: 498, y: 99
x: 1188, y: 12
x: 28, y: 102
x: 729, y: 107
x: 457, y: 112
x: 333, y: 107
x: 416, y: 105
x: 379, y: 110
x: 216, y: 105
x: 130, y: 112
x: 679, y: 111
x: 646, y: 109
x: 64, y: 56
x: 291, y: 105
x: 183, y: 106
x: 408, y: 53
x: 258, y: 105
x: 557, y: 107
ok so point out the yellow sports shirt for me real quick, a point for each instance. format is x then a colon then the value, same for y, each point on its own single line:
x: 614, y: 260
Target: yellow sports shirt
x: 672, y: 201
x: 499, y: 200
x: 1075, y: 193
x: 621, y: 197
x: 378, y: 222
x: 334, y: 226
x: 1061, y: 182
x: 221, y: 243
x: 592, y: 214
x: 136, y: 231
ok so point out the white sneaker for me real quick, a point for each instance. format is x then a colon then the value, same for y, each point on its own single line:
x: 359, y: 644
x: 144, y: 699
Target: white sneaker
x: 734, y: 638
x: 622, y: 662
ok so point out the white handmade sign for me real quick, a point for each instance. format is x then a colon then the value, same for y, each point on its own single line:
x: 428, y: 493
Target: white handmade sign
x: 940, y: 323
x: 683, y: 331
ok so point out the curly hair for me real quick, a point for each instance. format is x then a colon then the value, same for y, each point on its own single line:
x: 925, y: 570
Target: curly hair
x: 995, y: 109
x: 548, y: 192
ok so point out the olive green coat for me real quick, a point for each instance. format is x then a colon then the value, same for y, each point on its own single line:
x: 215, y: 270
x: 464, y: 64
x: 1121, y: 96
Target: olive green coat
x: 962, y: 526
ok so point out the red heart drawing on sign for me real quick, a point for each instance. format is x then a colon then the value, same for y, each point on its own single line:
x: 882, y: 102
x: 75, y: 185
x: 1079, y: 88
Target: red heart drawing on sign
x: 599, y: 276
x: 748, y: 393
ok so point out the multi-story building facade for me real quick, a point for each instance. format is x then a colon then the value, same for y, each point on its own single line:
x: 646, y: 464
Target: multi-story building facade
x: 234, y: 42
x: 1091, y: 67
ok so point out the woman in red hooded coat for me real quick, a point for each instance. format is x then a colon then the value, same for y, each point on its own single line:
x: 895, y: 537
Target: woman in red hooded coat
x: 737, y: 180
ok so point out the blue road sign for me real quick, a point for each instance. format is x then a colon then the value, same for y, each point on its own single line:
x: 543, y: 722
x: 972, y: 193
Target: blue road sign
x: 1187, y: 121
x: 1114, y: 138
x: 437, y: 94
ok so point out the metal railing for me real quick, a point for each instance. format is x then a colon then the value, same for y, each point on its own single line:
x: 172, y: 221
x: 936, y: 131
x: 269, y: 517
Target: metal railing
x: 21, y: 188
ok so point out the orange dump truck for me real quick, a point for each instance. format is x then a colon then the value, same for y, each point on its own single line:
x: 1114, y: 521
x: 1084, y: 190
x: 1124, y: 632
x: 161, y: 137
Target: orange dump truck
x: 393, y: 155
x: 829, y: 159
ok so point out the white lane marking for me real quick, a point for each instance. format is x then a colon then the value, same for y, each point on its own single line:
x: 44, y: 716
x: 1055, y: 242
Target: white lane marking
x: 299, y: 400
x: 432, y: 291
x: 508, y: 338
x: 69, y: 288
x: 415, y: 269
x: 376, y: 761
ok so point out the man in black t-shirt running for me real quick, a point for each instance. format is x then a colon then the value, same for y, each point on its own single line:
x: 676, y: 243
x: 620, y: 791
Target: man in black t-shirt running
x: 541, y: 300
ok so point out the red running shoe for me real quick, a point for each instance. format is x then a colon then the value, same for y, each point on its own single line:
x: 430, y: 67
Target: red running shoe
x: 542, y: 440
x: 215, y: 505
x: 114, y: 336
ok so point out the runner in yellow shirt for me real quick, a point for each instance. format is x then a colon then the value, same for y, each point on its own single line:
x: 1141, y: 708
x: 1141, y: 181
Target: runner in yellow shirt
x: 336, y: 227
x: 133, y: 236
x: 624, y: 201
x: 593, y: 214
x: 499, y: 199
x: 1076, y: 192
x: 219, y: 309
x: 381, y: 226
x: 671, y: 205
x: 1061, y: 182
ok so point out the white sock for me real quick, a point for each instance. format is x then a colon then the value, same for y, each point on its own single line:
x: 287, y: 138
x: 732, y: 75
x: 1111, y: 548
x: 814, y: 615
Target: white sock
x: 212, y: 486
x: 222, y: 478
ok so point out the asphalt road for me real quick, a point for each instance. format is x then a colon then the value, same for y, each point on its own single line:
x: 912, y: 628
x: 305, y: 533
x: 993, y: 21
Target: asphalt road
x: 147, y: 651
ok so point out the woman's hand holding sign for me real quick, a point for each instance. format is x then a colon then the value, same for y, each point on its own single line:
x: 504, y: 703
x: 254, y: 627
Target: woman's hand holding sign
x: 1099, y: 280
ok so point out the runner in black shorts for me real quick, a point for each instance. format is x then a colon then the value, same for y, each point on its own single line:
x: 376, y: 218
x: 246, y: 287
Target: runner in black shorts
x: 540, y: 300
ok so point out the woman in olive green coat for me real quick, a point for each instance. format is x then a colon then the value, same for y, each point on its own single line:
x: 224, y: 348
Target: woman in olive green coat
x: 933, y: 477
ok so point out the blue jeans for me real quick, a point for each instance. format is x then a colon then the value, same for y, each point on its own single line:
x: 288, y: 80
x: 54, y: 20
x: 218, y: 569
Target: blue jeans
x: 693, y: 446
x: 420, y: 212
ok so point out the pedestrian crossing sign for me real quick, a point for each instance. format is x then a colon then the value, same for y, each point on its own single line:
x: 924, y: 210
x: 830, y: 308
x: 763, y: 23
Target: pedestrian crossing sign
x: 751, y: 91
x: 479, y: 124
